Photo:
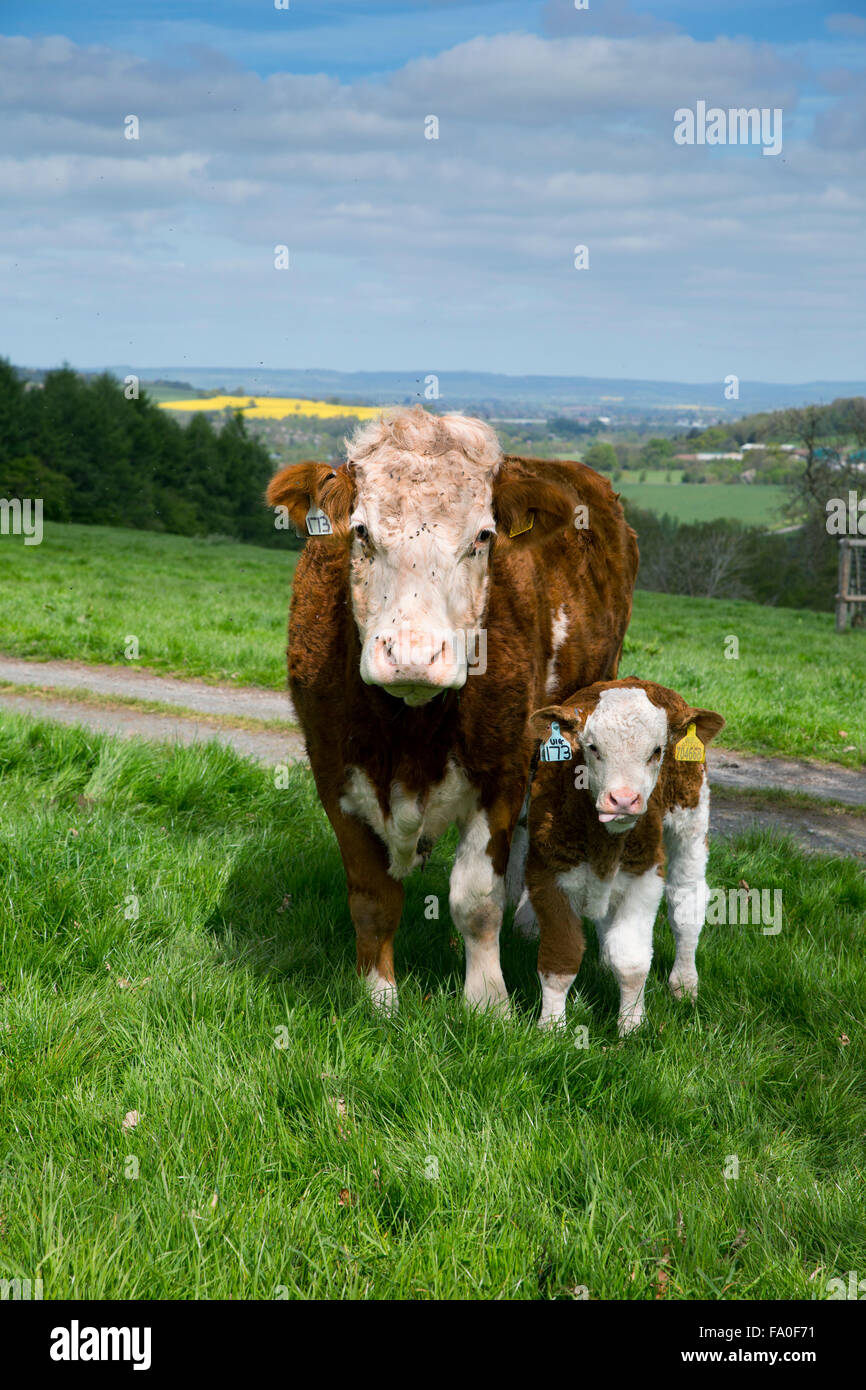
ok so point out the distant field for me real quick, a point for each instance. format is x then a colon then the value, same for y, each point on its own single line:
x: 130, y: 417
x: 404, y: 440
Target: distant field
x: 759, y: 504
x: 272, y: 407
x: 161, y: 394
x: 219, y: 612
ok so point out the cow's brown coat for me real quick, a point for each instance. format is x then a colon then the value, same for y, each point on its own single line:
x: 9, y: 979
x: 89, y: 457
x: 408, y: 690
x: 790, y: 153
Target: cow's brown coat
x: 483, y: 727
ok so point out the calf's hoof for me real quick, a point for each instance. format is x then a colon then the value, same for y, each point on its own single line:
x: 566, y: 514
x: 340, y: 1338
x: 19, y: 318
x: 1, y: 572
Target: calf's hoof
x: 629, y: 1023
x: 684, y: 986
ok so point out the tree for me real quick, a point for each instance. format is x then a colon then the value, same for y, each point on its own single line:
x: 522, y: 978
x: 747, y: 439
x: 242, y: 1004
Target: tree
x: 600, y: 456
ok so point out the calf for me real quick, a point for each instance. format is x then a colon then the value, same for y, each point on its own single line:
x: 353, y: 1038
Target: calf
x: 599, y: 836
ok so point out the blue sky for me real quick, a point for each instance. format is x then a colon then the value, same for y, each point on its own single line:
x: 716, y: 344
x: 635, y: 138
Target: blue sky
x: 306, y: 128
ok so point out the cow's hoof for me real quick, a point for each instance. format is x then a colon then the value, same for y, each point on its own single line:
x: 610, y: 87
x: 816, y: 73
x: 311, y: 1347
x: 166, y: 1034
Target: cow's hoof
x: 382, y: 992
x: 684, y: 987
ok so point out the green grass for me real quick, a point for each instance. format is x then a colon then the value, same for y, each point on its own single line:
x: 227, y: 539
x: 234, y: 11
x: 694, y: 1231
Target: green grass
x: 304, y: 1168
x: 216, y: 611
x: 219, y: 612
x: 757, y: 504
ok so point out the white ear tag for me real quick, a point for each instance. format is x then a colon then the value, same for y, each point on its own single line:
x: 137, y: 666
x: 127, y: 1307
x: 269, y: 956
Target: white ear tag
x: 317, y: 523
x: 556, y: 749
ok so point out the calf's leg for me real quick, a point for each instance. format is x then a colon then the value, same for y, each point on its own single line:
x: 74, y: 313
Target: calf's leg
x: 685, y: 835
x: 626, y: 936
x: 561, y: 944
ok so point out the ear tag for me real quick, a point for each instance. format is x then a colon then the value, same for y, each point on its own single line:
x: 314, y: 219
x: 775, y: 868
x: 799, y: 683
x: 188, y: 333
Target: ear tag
x: 556, y: 749
x: 317, y: 523
x: 521, y: 530
x: 689, y: 749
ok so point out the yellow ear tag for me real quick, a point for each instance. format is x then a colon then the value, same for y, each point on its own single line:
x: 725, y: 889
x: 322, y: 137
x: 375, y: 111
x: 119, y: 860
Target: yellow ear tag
x: 690, y: 749
x: 520, y: 530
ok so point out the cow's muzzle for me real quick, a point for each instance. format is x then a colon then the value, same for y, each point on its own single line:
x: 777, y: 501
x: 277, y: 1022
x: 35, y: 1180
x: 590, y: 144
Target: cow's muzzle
x: 413, y: 666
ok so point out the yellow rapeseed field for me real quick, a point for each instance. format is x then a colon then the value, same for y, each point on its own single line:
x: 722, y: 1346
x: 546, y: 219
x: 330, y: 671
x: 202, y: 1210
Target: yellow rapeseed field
x: 274, y: 407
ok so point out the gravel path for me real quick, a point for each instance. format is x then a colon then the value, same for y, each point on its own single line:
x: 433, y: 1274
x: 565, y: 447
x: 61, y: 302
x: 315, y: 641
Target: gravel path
x: 823, y: 830
x: 140, y: 683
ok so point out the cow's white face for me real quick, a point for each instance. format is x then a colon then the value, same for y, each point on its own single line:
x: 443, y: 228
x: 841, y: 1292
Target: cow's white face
x: 623, y: 742
x: 422, y: 527
x: 418, y: 502
x: 419, y: 574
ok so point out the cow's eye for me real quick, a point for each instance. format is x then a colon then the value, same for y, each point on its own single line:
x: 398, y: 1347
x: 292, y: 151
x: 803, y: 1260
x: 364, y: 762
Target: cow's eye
x: 483, y: 536
x: 593, y: 748
x: 360, y: 530
x: 657, y: 752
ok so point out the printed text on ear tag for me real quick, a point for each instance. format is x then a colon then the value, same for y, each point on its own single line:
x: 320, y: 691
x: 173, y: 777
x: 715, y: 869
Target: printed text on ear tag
x: 317, y: 523
x: 689, y: 749
x: 527, y: 526
x: 556, y: 749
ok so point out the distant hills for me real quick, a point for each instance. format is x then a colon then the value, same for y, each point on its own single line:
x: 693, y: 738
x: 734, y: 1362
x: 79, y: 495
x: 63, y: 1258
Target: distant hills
x: 514, y: 394
x: 675, y: 402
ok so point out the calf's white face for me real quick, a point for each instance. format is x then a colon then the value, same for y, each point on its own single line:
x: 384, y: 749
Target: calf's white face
x: 623, y: 742
x: 422, y: 528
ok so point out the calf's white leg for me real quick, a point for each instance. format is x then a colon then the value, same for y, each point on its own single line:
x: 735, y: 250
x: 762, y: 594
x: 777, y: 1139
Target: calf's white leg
x: 685, y: 837
x: 626, y: 938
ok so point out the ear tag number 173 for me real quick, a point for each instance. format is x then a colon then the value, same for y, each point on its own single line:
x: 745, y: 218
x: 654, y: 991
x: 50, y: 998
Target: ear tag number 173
x: 556, y: 749
x: 317, y: 522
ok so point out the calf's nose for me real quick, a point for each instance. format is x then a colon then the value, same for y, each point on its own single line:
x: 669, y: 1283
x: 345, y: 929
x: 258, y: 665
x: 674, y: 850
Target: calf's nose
x: 624, y: 801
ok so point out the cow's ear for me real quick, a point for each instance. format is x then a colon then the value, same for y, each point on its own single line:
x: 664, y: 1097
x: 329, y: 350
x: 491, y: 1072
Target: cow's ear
x: 303, y: 485
x: 707, y: 723
x: 569, y: 719
x: 528, y: 506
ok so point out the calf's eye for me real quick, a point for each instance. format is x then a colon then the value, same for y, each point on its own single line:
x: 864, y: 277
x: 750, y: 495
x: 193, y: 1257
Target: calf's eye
x: 482, y: 537
x: 360, y: 531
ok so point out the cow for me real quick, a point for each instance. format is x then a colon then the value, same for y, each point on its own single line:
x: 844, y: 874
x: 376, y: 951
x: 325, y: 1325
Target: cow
x: 453, y: 590
x: 631, y: 794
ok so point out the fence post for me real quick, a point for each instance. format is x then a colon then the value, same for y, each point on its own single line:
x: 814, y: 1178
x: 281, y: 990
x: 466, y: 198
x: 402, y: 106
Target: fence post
x: 844, y: 584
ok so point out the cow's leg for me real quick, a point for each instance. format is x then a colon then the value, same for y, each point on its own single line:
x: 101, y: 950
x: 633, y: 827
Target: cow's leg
x: 375, y: 903
x: 561, y: 945
x: 626, y: 935
x: 477, y: 900
x: 685, y: 836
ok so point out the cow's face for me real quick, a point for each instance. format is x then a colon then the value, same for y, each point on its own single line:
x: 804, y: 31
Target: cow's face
x: 422, y: 503
x: 623, y: 730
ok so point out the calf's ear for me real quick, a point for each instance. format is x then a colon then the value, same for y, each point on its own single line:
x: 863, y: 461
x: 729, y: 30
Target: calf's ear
x: 707, y: 723
x: 529, y: 506
x: 569, y: 719
x: 303, y: 485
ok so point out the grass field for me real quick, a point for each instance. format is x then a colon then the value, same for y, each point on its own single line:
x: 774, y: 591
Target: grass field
x: 219, y: 612
x: 757, y: 504
x: 176, y: 957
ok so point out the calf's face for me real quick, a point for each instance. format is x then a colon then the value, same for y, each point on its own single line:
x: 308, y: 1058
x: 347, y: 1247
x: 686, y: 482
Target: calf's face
x: 421, y: 504
x: 623, y: 741
x: 623, y: 735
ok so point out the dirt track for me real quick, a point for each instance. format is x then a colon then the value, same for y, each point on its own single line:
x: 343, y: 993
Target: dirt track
x: 210, y: 707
